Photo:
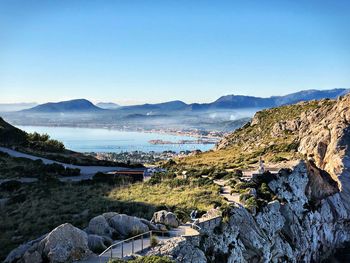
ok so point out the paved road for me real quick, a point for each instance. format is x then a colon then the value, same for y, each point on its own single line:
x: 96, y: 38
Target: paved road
x: 88, y: 171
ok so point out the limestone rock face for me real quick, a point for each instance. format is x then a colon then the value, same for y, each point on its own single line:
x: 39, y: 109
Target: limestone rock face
x: 166, y: 218
x: 292, y: 228
x: 325, y: 136
x: 180, y: 250
x: 285, y: 126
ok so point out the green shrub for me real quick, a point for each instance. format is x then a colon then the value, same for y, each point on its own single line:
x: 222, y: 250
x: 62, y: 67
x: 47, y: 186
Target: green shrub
x: 153, y: 241
x: 251, y: 204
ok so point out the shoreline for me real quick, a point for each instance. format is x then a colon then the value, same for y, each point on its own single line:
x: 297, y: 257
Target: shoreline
x: 192, y: 134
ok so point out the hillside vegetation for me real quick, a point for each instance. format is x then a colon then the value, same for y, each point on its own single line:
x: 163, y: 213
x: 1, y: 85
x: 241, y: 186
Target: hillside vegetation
x: 272, y: 134
x: 30, y: 213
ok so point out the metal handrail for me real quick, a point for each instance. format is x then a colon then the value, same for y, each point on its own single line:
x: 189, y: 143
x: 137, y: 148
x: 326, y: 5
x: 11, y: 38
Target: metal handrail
x: 148, y: 233
x: 129, y: 239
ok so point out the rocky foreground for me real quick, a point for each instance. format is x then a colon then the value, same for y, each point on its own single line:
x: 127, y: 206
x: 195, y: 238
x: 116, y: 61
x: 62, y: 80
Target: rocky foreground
x: 67, y: 243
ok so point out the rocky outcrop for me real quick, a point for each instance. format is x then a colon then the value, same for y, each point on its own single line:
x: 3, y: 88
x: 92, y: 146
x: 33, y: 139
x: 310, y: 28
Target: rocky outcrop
x: 281, y: 127
x: 325, y: 137
x: 292, y: 228
x: 65, y: 243
x: 166, y: 218
x: 181, y: 249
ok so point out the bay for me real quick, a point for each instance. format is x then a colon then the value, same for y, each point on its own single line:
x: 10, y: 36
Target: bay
x: 106, y: 140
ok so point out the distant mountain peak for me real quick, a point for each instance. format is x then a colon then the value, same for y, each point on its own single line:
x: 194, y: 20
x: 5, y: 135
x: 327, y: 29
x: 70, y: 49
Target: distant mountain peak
x: 76, y: 105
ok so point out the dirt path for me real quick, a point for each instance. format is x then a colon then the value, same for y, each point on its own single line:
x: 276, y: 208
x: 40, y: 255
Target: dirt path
x: 226, y: 192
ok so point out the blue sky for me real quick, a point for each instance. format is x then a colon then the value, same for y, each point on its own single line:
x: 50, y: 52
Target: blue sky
x: 150, y: 51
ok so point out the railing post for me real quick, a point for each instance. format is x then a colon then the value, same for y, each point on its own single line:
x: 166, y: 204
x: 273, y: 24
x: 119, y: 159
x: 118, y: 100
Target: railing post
x: 111, y: 252
x: 132, y: 246
x: 142, y: 243
x: 122, y: 250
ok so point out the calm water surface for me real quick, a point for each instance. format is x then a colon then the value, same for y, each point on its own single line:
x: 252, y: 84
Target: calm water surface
x: 104, y: 140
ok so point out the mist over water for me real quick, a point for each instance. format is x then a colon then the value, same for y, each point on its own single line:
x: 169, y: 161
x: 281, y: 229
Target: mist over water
x: 106, y: 140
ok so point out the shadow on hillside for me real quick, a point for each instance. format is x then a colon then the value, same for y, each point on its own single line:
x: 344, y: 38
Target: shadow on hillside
x: 36, y: 209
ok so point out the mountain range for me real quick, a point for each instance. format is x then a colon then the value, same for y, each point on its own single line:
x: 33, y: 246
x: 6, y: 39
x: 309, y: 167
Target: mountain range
x: 224, y: 102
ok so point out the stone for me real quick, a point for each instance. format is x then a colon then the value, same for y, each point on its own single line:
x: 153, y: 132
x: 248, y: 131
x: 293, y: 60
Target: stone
x: 98, y: 244
x: 149, y: 224
x: 179, y: 250
x: 127, y: 225
x: 18, y: 253
x: 99, y: 226
x: 166, y: 218
x: 65, y: 243
x: 161, y: 227
x: 34, y: 257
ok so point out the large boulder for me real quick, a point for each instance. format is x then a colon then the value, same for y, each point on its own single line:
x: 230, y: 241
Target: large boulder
x: 99, y: 226
x: 127, y: 225
x: 65, y: 243
x: 166, y: 218
x: 18, y: 253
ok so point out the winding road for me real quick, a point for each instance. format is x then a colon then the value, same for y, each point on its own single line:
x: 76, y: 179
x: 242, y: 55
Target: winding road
x: 87, y: 172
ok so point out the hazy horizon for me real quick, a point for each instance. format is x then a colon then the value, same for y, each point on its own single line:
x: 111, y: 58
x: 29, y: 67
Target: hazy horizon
x: 153, y: 51
x: 130, y: 102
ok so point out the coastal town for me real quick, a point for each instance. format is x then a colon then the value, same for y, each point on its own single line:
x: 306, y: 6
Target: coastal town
x: 136, y: 157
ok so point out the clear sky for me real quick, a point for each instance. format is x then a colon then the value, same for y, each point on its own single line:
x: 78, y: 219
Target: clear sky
x: 150, y: 51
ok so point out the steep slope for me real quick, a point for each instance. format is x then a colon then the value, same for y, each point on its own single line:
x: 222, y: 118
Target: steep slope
x: 272, y: 134
x: 79, y: 105
x: 10, y: 135
x: 307, y: 219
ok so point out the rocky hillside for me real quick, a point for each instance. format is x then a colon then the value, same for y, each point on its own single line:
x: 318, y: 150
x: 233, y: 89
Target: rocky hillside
x: 272, y: 134
x: 308, y: 218
x: 298, y: 226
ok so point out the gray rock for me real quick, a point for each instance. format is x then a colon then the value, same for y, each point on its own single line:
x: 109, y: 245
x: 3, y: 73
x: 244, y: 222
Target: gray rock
x: 34, y: 257
x: 180, y: 250
x: 98, y: 244
x: 166, y: 218
x: 65, y: 243
x: 127, y: 225
x: 161, y: 227
x: 99, y: 226
x: 149, y: 224
x: 19, y: 252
